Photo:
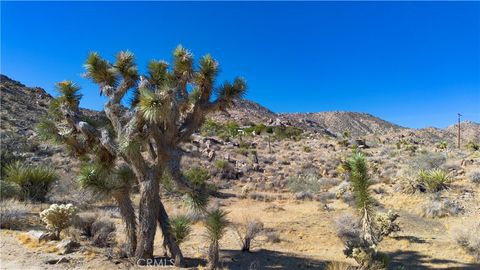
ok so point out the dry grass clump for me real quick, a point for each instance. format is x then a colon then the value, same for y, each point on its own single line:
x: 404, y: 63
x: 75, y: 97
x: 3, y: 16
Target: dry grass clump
x: 12, y: 214
x: 437, y: 207
x: 468, y: 237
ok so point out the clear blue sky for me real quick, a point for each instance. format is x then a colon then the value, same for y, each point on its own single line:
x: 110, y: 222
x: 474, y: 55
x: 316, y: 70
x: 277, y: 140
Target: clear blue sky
x: 414, y: 64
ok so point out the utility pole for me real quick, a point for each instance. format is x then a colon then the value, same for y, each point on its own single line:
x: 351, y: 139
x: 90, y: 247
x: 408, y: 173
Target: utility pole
x: 459, y: 115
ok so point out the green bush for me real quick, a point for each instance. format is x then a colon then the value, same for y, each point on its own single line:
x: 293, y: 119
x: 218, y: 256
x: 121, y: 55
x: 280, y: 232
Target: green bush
x: 473, y: 146
x: 307, y: 149
x: 10, y: 190
x: 287, y: 132
x: 199, y: 177
x: 180, y: 227
x: 221, y: 164
x: 33, y: 180
x: 433, y: 180
x: 212, y: 128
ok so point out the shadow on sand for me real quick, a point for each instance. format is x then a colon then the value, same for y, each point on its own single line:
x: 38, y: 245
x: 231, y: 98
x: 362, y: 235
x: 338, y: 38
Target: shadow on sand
x: 414, y: 260
x: 267, y: 259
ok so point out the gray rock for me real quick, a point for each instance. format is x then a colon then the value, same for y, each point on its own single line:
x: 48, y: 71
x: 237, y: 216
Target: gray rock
x: 41, y: 235
x: 67, y: 246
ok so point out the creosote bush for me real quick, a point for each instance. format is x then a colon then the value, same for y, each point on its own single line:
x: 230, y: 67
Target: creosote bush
x: 58, y: 217
x: 34, y: 181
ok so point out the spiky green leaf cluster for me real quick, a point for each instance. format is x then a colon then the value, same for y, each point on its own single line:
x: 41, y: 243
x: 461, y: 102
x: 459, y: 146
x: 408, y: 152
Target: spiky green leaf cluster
x: 99, y: 70
x: 69, y: 94
x: 152, y: 106
x: 216, y: 223
x: 47, y: 130
x: 96, y: 178
x: 230, y: 91
x: 34, y: 180
x: 182, y: 62
x: 180, y: 227
x: 125, y: 65
x: 158, y: 73
x: 361, y: 182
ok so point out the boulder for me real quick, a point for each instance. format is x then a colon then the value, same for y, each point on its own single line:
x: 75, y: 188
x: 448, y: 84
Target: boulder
x: 67, y: 246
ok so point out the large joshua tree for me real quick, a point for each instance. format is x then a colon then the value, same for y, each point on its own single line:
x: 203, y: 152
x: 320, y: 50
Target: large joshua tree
x: 169, y: 104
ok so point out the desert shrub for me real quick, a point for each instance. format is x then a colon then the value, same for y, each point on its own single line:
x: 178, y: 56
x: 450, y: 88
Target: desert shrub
x: 12, y: 214
x: 272, y: 236
x: 103, y: 232
x: 347, y: 227
x: 247, y: 231
x: 34, y: 180
x: 307, y: 149
x: 474, y: 177
x: 467, y: 237
x: 287, y: 132
x: 437, y: 207
x: 225, y: 131
x: 433, y: 180
x: 339, y: 266
x: 257, y: 129
x: 83, y: 223
x: 473, y: 146
x: 198, y: 177
x: 309, y: 180
x: 427, y: 161
x: 221, y: 164
x: 304, y: 195
x: 10, y: 190
x: 180, y: 227
x: 442, y: 145
x: 58, y: 217
x: 6, y: 158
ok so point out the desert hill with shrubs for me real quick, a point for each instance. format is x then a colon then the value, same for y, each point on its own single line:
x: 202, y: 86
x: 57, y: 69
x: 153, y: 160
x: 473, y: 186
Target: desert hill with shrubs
x: 328, y: 190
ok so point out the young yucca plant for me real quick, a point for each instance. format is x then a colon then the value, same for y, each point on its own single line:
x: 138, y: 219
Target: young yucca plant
x: 35, y: 181
x: 433, y: 180
x: 361, y: 183
x: 180, y: 228
x: 216, y: 224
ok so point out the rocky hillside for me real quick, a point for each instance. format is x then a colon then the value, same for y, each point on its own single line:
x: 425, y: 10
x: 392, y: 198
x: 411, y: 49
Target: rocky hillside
x: 22, y: 108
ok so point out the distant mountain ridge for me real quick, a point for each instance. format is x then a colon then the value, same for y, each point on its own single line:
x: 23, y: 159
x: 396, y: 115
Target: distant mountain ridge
x: 22, y: 108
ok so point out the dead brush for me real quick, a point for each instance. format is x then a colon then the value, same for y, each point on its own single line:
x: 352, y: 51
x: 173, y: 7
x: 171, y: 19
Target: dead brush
x: 247, y: 231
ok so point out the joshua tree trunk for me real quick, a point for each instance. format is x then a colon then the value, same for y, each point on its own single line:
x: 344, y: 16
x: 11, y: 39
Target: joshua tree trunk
x: 128, y: 215
x: 147, y: 217
x: 168, y: 240
x: 213, y: 256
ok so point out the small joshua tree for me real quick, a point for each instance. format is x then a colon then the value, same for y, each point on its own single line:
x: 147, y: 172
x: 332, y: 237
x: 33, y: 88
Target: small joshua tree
x: 169, y: 104
x: 216, y: 224
x: 180, y: 227
x: 373, y: 226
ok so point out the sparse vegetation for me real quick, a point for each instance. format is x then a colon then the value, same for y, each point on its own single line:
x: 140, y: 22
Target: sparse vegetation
x: 12, y: 214
x: 475, y: 177
x: 467, y: 237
